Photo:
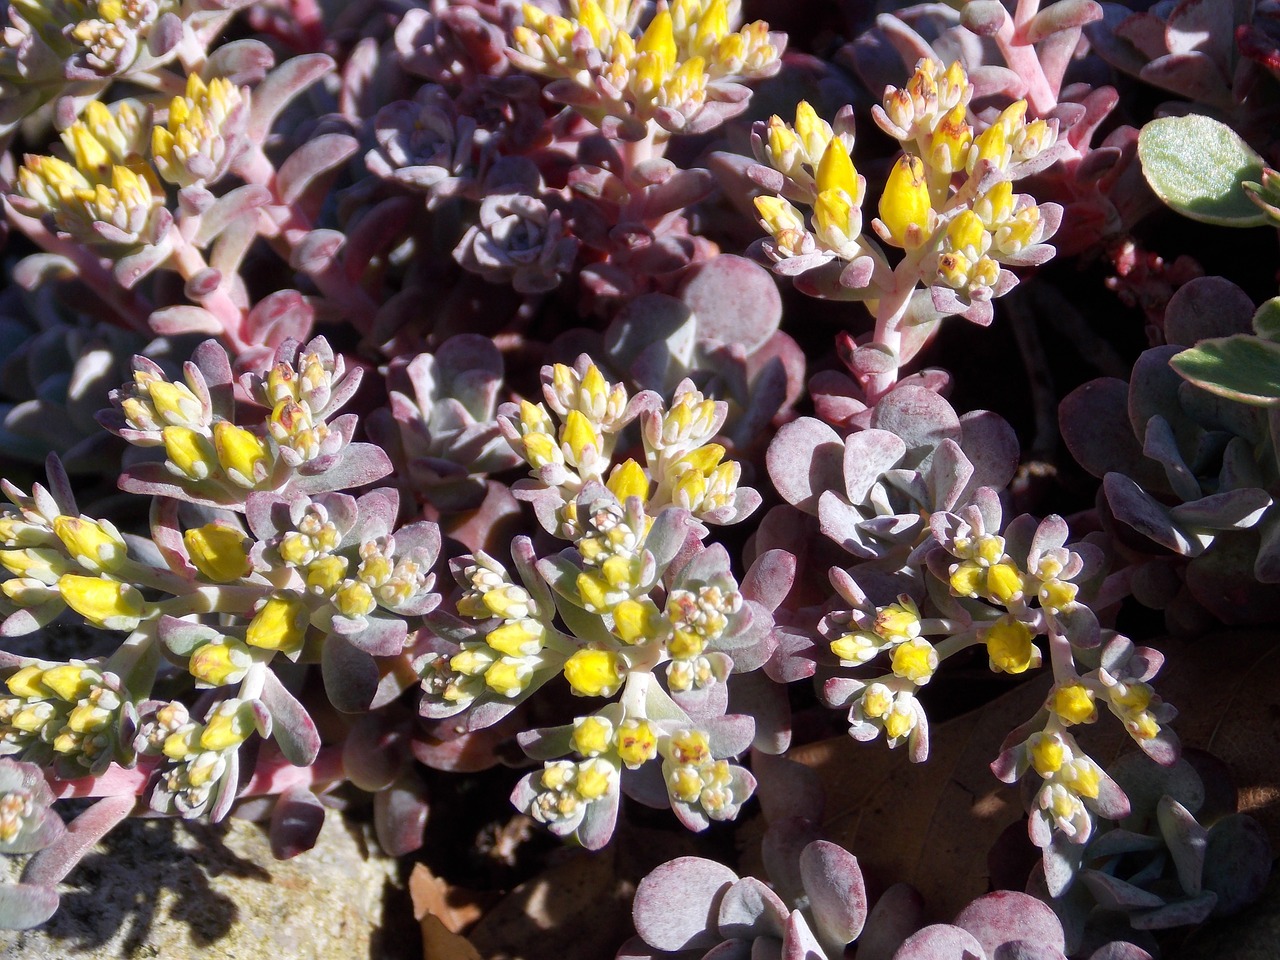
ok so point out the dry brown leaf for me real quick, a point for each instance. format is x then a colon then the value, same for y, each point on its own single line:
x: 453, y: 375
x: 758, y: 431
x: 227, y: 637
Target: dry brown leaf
x: 933, y: 824
x: 440, y: 943
x: 455, y: 907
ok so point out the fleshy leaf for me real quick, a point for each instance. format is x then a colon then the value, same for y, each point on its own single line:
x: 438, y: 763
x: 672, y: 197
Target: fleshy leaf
x: 1196, y: 165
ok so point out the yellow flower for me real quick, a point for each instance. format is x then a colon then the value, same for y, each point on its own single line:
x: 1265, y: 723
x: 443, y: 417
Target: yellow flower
x: 189, y: 451
x: 1048, y: 753
x: 218, y: 664
x: 229, y: 727
x: 627, y: 480
x: 1004, y: 582
x: 905, y: 209
x: 635, y: 621
x: 68, y: 681
x: 103, y: 603
x: 592, y: 736
x: 218, y: 552
x: 916, y: 660
x: 1009, y: 646
x: 280, y: 624
x: 637, y: 742
x: 508, y: 676
x: 1073, y: 703
x: 28, y: 683
x: 95, y: 546
x: 517, y: 638
x: 594, y: 673
x: 594, y: 779
x: 242, y: 455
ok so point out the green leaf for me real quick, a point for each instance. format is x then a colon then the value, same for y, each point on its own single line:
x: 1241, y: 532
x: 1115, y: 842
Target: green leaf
x: 1266, y: 320
x: 1243, y: 368
x: 1197, y: 166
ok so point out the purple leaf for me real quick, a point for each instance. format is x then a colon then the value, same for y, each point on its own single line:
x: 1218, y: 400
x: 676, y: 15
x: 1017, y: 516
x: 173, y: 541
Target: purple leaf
x: 350, y: 675
x: 676, y: 905
x: 735, y: 301
x: 837, y: 893
x: 54, y: 862
x: 896, y: 915
x: 294, y: 731
x: 1005, y: 915
x: 296, y: 821
x: 749, y: 909
x: 312, y: 160
x: 1237, y: 863
x: 941, y: 942
x: 280, y: 86
x: 229, y: 207
x: 400, y: 816
x: 805, y: 458
x: 25, y: 905
x: 1187, y: 842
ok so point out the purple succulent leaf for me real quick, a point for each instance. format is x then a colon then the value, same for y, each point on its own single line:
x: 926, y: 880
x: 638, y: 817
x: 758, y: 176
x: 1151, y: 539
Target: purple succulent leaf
x: 598, y: 823
x: 1101, y: 437
x: 1160, y: 444
x: 789, y: 791
x: 1118, y: 841
x: 799, y: 943
x: 1136, y: 508
x: 837, y: 893
x: 26, y: 905
x: 1026, y: 950
x: 546, y: 743
x: 1060, y: 860
x: 1006, y: 915
x: 646, y: 786
x: 1207, y: 307
x: 677, y: 904
x: 294, y: 731
x: 941, y: 941
x: 897, y: 915
x: 1237, y: 863
x: 845, y: 525
x: 1113, y: 893
x: 1120, y: 950
x: 400, y: 816
x: 805, y: 458
x: 949, y: 475
x: 1079, y: 624
x: 749, y: 909
x: 730, y: 735
x: 312, y: 160
x: 182, y: 320
x: 358, y: 464
x: 296, y: 821
x: 710, y: 701
x: 1187, y: 842
x: 1191, y: 74
x: 54, y: 862
x: 1237, y: 509
x: 1180, y: 913
x: 281, y: 86
x: 918, y: 416
x: 230, y: 206
x: 734, y: 300
x: 350, y: 675
x: 792, y: 659
x: 373, y: 754
x: 991, y: 445
x: 762, y: 948
x: 868, y: 454
x: 375, y: 635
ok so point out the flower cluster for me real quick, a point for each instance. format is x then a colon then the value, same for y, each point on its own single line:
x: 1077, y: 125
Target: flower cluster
x: 679, y: 74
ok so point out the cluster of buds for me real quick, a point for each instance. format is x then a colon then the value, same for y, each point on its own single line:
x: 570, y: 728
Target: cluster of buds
x: 679, y: 74
x: 98, y: 37
x: 683, y: 466
x: 200, y: 767
x: 70, y: 714
x: 948, y: 201
x: 210, y: 459
x: 108, y: 194
x: 204, y: 133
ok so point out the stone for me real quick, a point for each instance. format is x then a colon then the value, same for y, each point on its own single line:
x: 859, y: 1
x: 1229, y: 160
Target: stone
x: 167, y: 889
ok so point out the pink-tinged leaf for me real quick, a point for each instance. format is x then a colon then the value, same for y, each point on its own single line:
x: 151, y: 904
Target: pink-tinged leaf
x: 312, y: 160
x: 229, y: 207
x: 241, y: 61
x: 1120, y: 950
x: 1113, y: 893
x: 1026, y: 950
x: 400, y: 816
x: 280, y: 86
x: 315, y: 252
x: 296, y: 821
x: 373, y: 753
x: 677, y: 904
x: 984, y: 17
x: 183, y: 319
x: 1138, y: 509
x: 1006, y: 915
x: 920, y: 417
x: 837, y: 893
x: 54, y: 862
x: 357, y: 465
x: 1237, y: 863
x: 1063, y: 15
x: 735, y: 301
x: 896, y: 916
x: 868, y: 454
x: 799, y: 943
x: 805, y: 458
x: 350, y: 675
x: 941, y: 942
x: 26, y: 905
x: 294, y: 731
x: 1181, y: 913
x: 769, y: 580
x: 1187, y: 842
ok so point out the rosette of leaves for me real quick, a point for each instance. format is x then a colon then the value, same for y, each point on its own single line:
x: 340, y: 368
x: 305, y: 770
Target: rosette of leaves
x: 872, y: 490
x: 721, y: 332
x: 1182, y: 855
x: 443, y: 411
x: 208, y: 459
x: 633, y: 217
x: 1187, y: 476
x: 692, y: 907
x: 28, y: 824
x: 449, y: 43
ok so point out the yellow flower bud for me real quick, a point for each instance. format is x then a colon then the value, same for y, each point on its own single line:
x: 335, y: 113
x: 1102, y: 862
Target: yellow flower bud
x: 1004, y: 582
x: 27, y: 683
x: 227, y: 728
x: 103, y: 603
x: 218, y: 551
x: 1083, y: 776
x: 836, y: 170
x: 635, y: 621
x: 240, y: 453
x: 1048, y: 754
x: 659, y: 39
x: 325, y: 573
x: 967, y: 579
x: 218, y: 664
x: 594, y: 673
x: 508, y: 677
x: 67, y: 681
x: 517, y: 638
x: 1073, y: 703
x: 174, y: 401
x: 189, y: 451
x: 915, y: 660
x: 685, y: 784
x: 904, y: 206
x: 38, y: 563
x: 88, y: 718
x: 1009, y: 646
x: 354, y: 599
x: 857, y: 647
x: 594, y: 779
x: 877, y: 701
x: 592, y: 736
x: 93, y: 545
x: 1056, y: 594
x: 813, y: 131
x: 280, y: 624
x: 578, y: 434
x: 628, y: 480
x: 180, y: 745
x: 637, y: 742
x: 900, y: 721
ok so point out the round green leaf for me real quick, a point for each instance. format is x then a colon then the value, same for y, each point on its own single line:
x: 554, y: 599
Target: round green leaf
x: 1197, y: 165
x: 1243, y: 368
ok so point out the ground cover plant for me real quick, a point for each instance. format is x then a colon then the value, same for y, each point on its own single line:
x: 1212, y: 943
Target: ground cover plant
x: 822, y: 454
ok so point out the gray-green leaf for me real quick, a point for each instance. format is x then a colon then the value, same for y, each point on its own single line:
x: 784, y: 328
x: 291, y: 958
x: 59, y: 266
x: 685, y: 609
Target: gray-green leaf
x: 1243, y: 368
x: 1197, y: 165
